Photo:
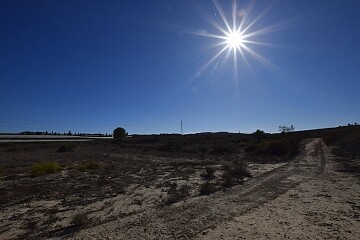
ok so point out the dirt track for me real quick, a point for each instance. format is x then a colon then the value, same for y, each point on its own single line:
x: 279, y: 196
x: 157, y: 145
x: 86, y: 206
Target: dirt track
x: 305, y: 198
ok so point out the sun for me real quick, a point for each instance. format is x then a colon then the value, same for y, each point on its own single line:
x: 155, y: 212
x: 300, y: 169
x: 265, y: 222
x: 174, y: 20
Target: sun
x: 234, y: 40
x: 237, y: 36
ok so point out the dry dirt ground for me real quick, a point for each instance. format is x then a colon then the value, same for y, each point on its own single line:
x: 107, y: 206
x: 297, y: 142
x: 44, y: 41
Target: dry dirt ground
x: 307, y: 198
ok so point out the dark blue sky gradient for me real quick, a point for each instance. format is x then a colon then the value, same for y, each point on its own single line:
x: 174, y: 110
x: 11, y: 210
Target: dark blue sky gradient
x: 91, y: 66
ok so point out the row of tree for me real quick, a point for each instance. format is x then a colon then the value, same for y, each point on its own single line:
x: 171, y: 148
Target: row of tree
x: 120, y: 133
x: 64, y: 133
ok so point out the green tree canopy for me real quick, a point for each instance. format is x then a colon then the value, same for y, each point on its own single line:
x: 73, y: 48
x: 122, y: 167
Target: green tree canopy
x: 120, y: 133
x: 286, y: 129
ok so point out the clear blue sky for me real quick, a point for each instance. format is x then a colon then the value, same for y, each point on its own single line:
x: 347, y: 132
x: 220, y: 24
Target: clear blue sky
x: 91, y: 66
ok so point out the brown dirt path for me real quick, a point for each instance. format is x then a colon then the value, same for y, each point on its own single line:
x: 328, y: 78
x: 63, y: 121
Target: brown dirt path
x: 325, y: 205
x: 304, y: 198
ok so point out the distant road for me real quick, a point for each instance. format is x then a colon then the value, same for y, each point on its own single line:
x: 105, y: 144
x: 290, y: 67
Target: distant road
x: 46, y: 138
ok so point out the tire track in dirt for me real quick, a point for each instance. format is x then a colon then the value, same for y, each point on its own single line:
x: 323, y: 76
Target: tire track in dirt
x: 199, y: 215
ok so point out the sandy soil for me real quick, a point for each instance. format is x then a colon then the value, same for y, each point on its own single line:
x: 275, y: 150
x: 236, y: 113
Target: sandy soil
x: 325, y: 205
x: 304, y: 199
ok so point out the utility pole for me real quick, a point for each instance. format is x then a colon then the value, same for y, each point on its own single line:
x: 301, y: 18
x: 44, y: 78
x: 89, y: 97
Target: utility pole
x: 181, y: 127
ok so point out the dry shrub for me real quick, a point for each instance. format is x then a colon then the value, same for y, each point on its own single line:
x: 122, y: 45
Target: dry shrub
x: 88, y: 165
x: 210, y: 172
x: 177, y: 194
x: 239, y: 170
x: 280, y: 148
x: 80, y: 219
x: 228, y: 180
x: 44, y: 168
x: 67, y: 147
x: 207, y: 188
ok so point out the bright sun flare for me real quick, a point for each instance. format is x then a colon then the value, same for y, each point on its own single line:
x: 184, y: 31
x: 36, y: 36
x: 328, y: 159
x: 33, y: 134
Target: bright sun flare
x: 237, y: 35
x: 234, y: 40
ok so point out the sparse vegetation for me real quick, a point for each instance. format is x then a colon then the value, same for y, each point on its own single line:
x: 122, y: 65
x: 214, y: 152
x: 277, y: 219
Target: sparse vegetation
x: 171, y: 147
x: 286, y: 129
x: 80, y: 219
x: 88, y: 166
x: 124, y: 171
x: 176, y: 194
x: 228, y: 179
x: 207, y: 188
x: 43, y: 168
x: 239, y: 170
x: 330, y: 137
x: 67, y: 147
x: 209, y: 172
x: 279, y: 148
x: 222, y: 149
x: 202, y: 151
x: 350, y: 166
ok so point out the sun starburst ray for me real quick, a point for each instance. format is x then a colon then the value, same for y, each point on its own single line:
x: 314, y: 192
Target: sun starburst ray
x: 217, y: 26
x: 234, y: 13
x: 247, y: 64
x: 288, y: 23
x: 267, y: 63
x: 259, y: 43
x: 210, y: 35
x: 222, y: 14
x: 261, y: 15
x: 245, y: 14
x: 236, y: 35
x: 236, y: 74
x: 211, y: 60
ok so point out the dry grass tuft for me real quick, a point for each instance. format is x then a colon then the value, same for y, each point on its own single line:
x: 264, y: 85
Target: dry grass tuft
x: 67, y: 147
x: 43, y: 168
x: 88, y: 165
x: 80, y: 219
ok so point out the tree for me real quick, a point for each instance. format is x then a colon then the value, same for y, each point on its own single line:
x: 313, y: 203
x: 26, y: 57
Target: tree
x: 259, y: 134
x: 286, y: 129
x: 119, y: 133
